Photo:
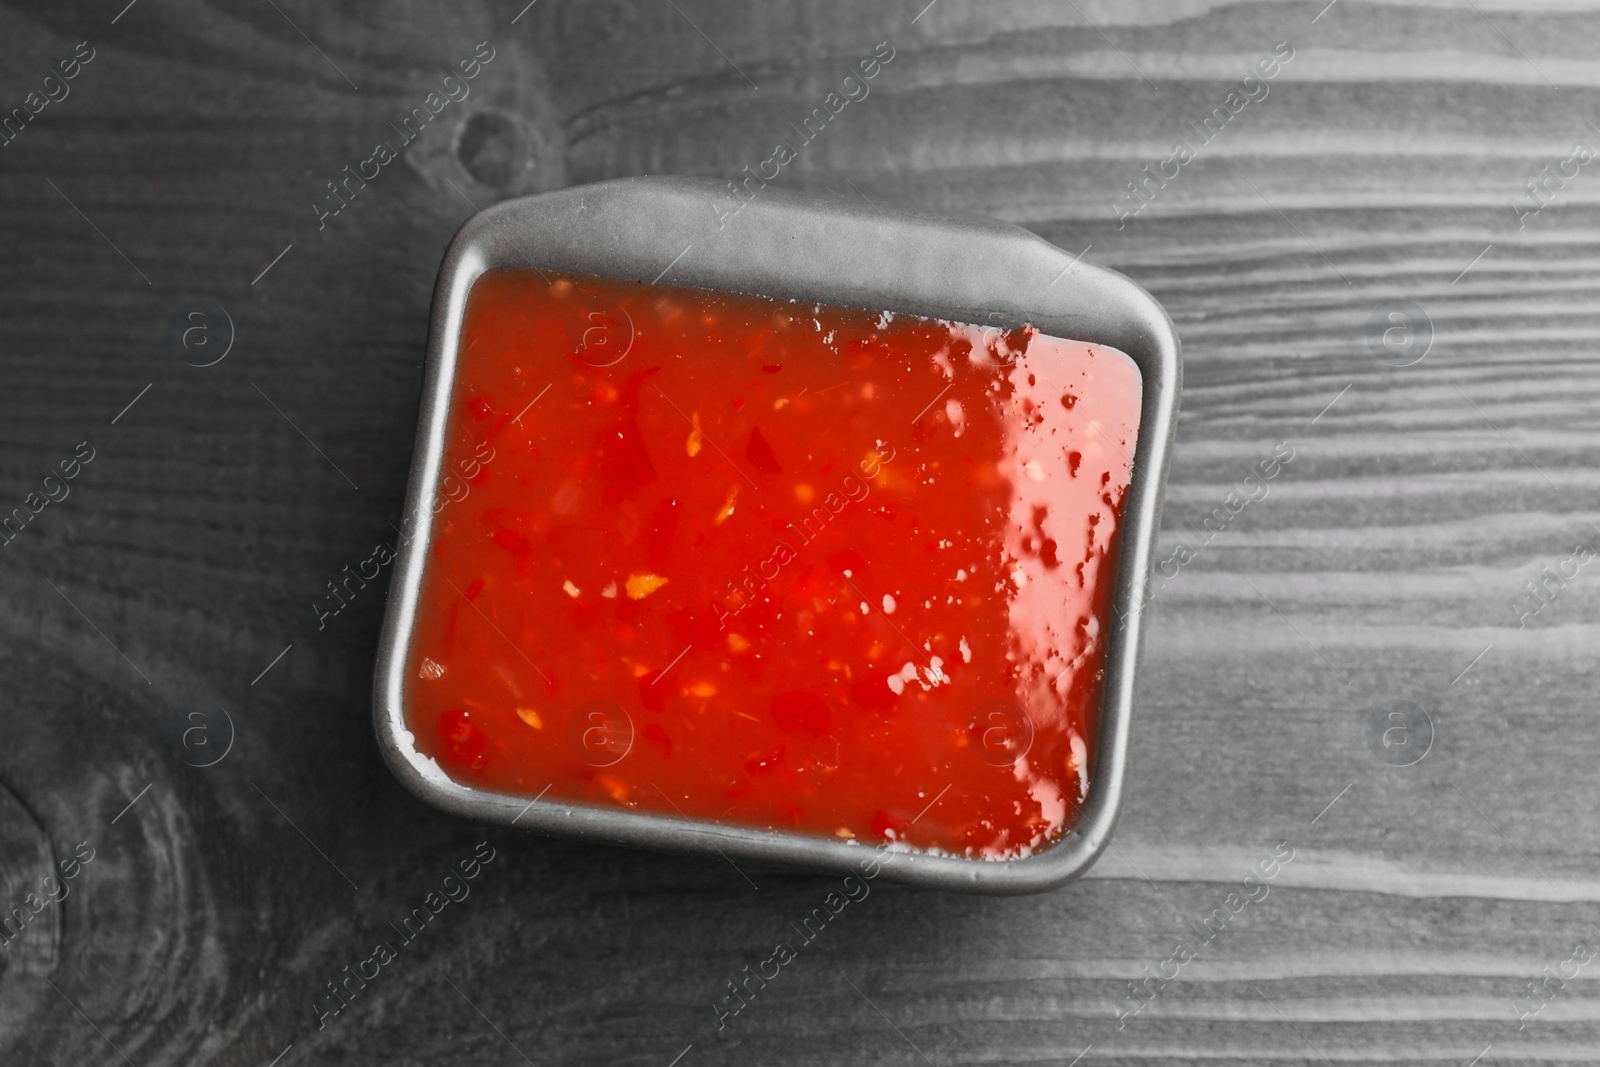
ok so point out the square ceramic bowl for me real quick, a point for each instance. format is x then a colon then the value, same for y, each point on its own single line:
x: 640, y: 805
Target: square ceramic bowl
x: 815, y: 250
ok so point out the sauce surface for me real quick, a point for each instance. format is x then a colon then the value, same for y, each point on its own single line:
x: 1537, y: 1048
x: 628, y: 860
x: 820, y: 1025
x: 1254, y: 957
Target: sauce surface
x: 814, y: 569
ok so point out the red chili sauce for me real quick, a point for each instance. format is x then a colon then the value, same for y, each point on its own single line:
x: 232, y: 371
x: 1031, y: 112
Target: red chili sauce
x: 822, y: 570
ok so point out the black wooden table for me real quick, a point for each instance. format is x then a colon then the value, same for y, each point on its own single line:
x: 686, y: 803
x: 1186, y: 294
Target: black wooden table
x: 1382, y: 259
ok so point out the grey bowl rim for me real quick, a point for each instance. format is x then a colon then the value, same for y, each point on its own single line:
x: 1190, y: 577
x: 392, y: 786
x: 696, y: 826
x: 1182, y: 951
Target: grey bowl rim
x: 626, y: 228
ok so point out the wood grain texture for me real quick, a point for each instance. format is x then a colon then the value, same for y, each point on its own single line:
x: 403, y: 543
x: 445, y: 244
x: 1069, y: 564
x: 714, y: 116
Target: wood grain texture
x: 1376, y: 171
